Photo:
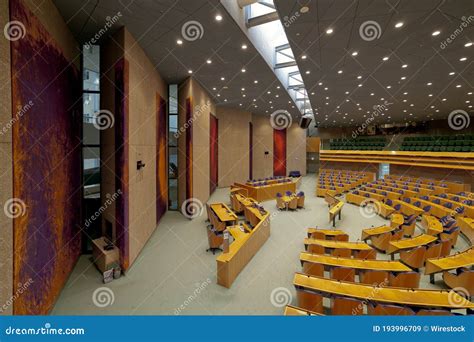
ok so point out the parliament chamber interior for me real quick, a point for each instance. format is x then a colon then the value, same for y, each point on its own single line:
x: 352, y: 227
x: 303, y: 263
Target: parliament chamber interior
x: 237, y: 157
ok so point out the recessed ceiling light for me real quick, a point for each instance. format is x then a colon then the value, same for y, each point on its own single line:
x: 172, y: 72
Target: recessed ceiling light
x: 277, y: 95
x: 468, y: 44
x: 429, y: 83
x: 179, y: 42
x: 329, y: 31
x: 411, y: 104
x: 435, y: 33
x: 462, y: 59
x: 222, y: 78
x: 243, y: 95
x: 403, y: 78
x: 312, y: 93
x: 325, y: 88
x: 399, y: 24
x: 190, y: 71
x: 320, y: 83
x: 225, y: 100
x: 405, y: 93
x: 359, y: 77
x: 443, y: 100
x: 243, y: 70
x: 339, y: 72
x: 269, y: 92
x: 240, y: 104
x: 432, y: 106
x: 451, y: 73
x: 304, y: 56
x: 244, y: 46
x: 385, y: 58
x: 470, y: 93
x: 347, y: 93
x: 214, y: 88
x: 430, y: 95
x: 405, y: 100
x: 218, y: 95
x: 404, y: 65
x: 278, y: 87
x: 389, y: 86
x: 304, y: 9
x: 355, y: 53
x: 372, y: 94
x: 218, y: 17
x: 458, y: 86
x: 208, y: 61
x: 243, y: 89
x: 256, y: 81
x: 307, y: 71
x: 360, y: 85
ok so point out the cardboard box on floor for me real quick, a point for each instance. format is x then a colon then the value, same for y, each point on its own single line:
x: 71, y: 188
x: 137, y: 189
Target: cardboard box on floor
x: 104, y: 260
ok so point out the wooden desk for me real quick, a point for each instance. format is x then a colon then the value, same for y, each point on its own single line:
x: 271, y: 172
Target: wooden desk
x: 253, y: 215
x: 331, y: 244
x: 241, y: 251
x: 468, y: 210
x: 355, y: 199
x: 391, y: 295
x: 245, y: 201
x: 431, y: 225
x: 238, y: 232
x: 408, y: 209
x: 396, y: 220
x: 390, y: 194
x: 420, y: 240
x: 360, y: 264
x: 367, y: 233
x: 334, y: 211
x: 467, y: 227
x: 375, y: 195
x: 462, y: 259
x: 326, y: 232
x: 223, y: 212
x: 268, y: 192
x: 295, y: 311
x: 436, y: 209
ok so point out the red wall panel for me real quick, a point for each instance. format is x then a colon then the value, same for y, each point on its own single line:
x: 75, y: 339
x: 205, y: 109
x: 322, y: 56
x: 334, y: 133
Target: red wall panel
x: 279, y: 152
x: 161, y: 158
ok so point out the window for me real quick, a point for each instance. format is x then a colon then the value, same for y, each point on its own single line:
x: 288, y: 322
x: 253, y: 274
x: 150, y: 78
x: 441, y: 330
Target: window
x: 173, y: 147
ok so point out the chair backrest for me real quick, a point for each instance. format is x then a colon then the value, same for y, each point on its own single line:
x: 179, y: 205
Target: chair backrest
x: 341, y: 237
x: 405, y: 279
x: 343, y: 274
x: 318, y: 235
x: 346, y: 306
x: 300, y: 203
x: 316, y: 249
x: 389, y: 310
x: 373, y: 277
x: 293, y: 204
x: 310, y: 301
x: 446, y: 245
x: 313, y: 269
x: 341, y: 252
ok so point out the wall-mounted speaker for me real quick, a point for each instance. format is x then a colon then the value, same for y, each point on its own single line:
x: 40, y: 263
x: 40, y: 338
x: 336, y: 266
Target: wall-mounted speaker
x: 305, y: 121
